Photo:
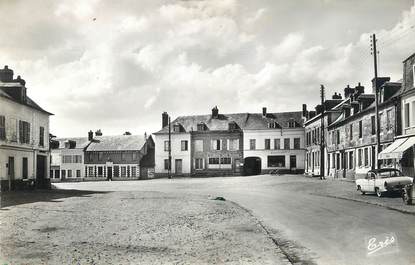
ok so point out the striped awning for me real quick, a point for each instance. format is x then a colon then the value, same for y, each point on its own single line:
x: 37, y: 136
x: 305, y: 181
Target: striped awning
x: 397, y: 148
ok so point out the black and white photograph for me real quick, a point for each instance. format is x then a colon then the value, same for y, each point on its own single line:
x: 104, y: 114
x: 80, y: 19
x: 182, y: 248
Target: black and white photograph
x: 207, y: 132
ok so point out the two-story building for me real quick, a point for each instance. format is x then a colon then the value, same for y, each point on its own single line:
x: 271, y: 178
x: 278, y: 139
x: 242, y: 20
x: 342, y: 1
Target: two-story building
x: 121, y: 157
x: 24, y: 136
x: 67, y: 159
x: 351, y: 142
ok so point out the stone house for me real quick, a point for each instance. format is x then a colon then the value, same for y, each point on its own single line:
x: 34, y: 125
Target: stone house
x: 351, y: 142
x: 122, y: 157
x: 24, y: 132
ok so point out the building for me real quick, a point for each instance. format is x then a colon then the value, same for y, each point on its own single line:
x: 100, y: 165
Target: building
x: 273, y: 141
x: 122, y: 157
x: 402, y: 149
x: 351, y: 142
x: 67, y: 159
x: 230, y: 144
x: 313, y: 133
x: 24, y: 136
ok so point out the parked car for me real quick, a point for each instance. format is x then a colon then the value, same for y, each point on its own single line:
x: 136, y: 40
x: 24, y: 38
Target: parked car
x: 383, y: 180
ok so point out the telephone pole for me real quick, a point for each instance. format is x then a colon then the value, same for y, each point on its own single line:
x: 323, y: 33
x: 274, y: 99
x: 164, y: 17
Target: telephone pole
x: 169, y: 170
x: 375, y: 64
x: 322, y: 134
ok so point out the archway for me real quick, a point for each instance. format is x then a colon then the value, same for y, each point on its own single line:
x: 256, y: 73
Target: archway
x: 252, y: 166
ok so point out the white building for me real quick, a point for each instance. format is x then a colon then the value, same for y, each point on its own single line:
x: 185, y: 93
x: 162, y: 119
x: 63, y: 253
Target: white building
x: 24, y: 136
x: 67, y: 159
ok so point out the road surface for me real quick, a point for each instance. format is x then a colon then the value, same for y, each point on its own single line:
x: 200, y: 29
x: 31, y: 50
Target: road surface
x: 308, y: 226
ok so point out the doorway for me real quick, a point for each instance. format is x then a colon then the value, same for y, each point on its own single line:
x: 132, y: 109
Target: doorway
x: 252, y: 166
x: 178, y: 166
x: 10, y: 171
x: 109, y: 173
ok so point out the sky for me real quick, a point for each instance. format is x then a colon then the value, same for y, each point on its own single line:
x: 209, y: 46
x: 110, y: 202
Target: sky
x: 117, y: 65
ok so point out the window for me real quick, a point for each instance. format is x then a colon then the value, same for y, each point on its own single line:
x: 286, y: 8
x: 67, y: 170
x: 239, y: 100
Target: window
x: 338, y: 161
x: 24, y: 132
x: 69, y: 173
x: 337, y: 137
x: 359, y: 157
x: 351, y: 132
x: 77, y: 159
x: 41, y: 136
x: 24, y: 168
x: 201, y: 127
x: 286, y: 143
x: 388, y: 119
x: 373, y: 124
x: 176, y: 128
x: 272, y: 125
x: 267, y: 144
x: 216, y: 144
x: 134, y: 155
x: 291, y: 124
x: 360, y: 129
x: 78, y: 173
x: 166, y: 145
x: 133, y: 172
x: 63, y: 173
x: 276, y: 161
x: 123, y: 172
x: 296, y: 143
x: 277, y: 144
x: 123, y: 156
x: 166, y: 164
x: 366, y: 157
x: 407, y: 115
x: 199, y: 163
x: 57, y: 173
x: 252, y: 144
x: 2, y: 128
x: 225, y: 160
x: 100, y: 172
x: 184, y: 145
x: 233, y: 144
x: 100, y: 154
x: 66, y: 159
x: 351, y: 160
x: 116, y: 171
x: 199, y: 145
x: 213, y: 160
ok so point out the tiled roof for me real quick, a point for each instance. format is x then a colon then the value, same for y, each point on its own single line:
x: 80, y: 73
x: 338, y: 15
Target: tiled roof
x: 243, y: 120
x: 117, y: 143
x: 29, y: 102
x: 81, y: 142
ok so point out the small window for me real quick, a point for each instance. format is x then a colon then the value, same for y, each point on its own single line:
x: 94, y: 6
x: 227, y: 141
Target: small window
x: 2, y: 127
x: 201, y: 127
x: 41, y: 136
x: 166, y: 146
x: 78, y: 173
x: 267, y: 144
x: 286, y: 143
x: 277, y: 144
x: 252, y: 144
x: 176, y: 128
x: 184, y: 145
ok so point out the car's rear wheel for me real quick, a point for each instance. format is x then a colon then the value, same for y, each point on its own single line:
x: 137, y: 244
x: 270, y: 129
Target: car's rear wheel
x: 360, y: 189
x: 378, y: 192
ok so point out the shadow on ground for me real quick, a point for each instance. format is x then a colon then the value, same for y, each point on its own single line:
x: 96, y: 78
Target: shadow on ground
x: 22, y: 197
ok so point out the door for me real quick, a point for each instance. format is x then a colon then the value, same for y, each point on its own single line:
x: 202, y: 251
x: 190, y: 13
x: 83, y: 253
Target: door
x: 109, y: 172
x: 293, y: 162
x: 10, y: 171
x: 24, y: 168
x: 178, y: 166
x: 40, y: 168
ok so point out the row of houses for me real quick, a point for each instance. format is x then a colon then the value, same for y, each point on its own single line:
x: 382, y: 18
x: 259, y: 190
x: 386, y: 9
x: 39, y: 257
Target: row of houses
x: 349, y: 141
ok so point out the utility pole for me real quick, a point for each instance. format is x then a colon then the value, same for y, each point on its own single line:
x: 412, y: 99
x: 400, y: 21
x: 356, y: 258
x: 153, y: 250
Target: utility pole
x: 375, y: 64
x: 322, y: 134
x: 169, y: 149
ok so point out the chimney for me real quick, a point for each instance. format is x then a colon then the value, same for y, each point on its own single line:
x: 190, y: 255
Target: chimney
x: 164, y: 119
x: 305, y: 110
x: 318, y: 109
x: 359, y: 89
x: 20, y: 80
x: 381, y: 81
x: 98, y: 132
x: 6, y: 74
x: 215, y: 113
x: 90, y: 136
x: 264, y: 112
x: 348, y: 91
x: 145, y: 136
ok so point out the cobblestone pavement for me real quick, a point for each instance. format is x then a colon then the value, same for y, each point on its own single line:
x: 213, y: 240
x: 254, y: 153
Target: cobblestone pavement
x: 127, y: 227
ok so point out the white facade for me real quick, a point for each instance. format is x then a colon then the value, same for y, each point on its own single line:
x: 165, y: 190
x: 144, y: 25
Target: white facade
x: 274, y: 136
x: 178, y: 156
x: 13, y: 152
x: 67, y: 163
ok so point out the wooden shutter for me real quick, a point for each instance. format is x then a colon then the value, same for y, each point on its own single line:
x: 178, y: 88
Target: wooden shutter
x: 2, y: 127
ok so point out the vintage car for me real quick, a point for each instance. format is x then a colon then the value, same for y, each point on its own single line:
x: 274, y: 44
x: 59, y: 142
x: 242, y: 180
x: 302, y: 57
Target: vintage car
x: 381, y: 181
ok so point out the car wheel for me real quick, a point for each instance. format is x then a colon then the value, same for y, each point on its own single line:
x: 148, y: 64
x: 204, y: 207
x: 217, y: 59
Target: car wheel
x: 360, y: 189
x: 378, y: 192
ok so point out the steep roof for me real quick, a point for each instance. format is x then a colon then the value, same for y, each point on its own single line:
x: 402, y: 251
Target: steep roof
x: 243, y: 120
x: 117, y: 143
x: 29, y: 102
x: 81, y: 142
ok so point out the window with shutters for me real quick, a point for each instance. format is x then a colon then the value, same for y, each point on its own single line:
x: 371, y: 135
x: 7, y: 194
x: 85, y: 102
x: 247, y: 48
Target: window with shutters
x: 252, y: 144
x: 267, y: 144
x: 277, y: 144
x: 2, y: 127
x: 286, y: 143
x: 184, y: 145
x: 216, y: 145
x: 24, y: 132
x: 166, y: 145
x: 41, y: 136
x: 296, y: 143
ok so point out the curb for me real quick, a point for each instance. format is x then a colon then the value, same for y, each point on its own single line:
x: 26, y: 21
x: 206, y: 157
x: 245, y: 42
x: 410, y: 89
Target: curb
x: 367, y: 202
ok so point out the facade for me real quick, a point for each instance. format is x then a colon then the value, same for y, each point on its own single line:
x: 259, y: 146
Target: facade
x: 351, y: 142
x: 230, y: 144
x: 313, y: 133
x: 67, y: 159
x: 24, y: 136
x: 123, y: 157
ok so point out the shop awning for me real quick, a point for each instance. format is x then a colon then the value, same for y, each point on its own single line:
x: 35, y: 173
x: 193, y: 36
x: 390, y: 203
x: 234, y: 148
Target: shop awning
x: 397, y: 148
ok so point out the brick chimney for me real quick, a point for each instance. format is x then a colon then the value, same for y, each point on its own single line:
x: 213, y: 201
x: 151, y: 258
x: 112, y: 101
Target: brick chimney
x: 305, y: 112
x: 348, y: 91
x: 359, y: 89
x: 264, y: 112
x: 381, y: 81
x: 6, y: 74
x: 98, y: 132
x: 164, y: 119
x: 90, y: 135
x: 215, y: 112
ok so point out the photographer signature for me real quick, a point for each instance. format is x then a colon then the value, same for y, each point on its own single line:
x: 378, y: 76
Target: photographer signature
x: 374, y: 245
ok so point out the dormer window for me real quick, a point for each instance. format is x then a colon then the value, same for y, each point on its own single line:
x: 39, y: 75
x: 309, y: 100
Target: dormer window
x: 291, y: 123
x: 347, y: 112
x: 232, y: 126
x: 201, y: 127
x: 272, y: 125
x: 176, y: 128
